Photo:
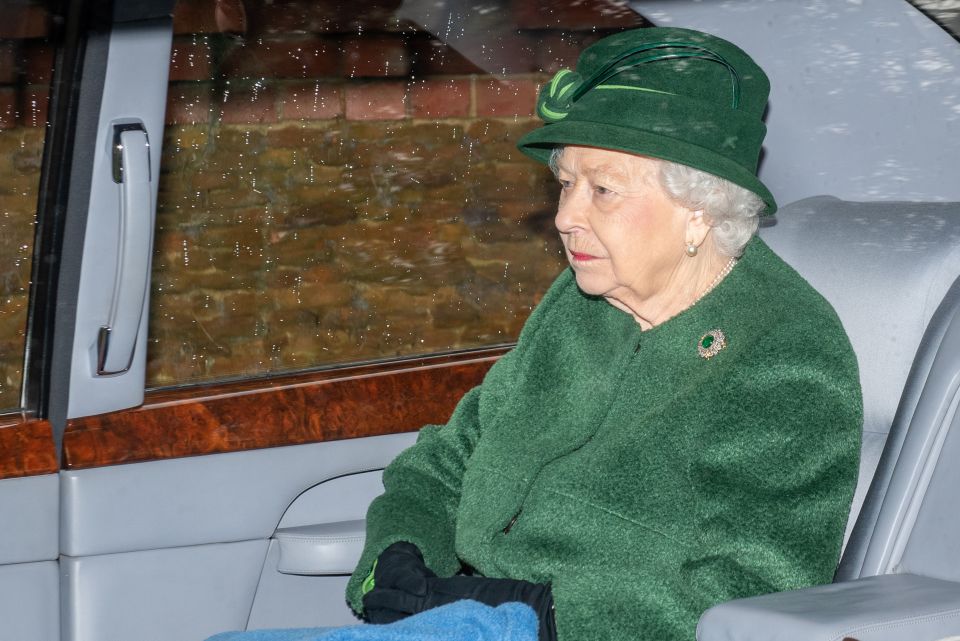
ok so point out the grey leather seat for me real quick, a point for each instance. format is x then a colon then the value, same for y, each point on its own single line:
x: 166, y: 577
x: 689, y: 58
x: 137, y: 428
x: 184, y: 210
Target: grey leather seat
x: 891, y: 272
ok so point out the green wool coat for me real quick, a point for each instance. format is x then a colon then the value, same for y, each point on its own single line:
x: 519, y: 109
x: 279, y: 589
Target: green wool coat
x: 644, y: 482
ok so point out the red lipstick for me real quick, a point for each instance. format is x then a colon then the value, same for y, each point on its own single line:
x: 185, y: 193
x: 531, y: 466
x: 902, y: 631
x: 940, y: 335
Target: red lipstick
x: 581, y: 257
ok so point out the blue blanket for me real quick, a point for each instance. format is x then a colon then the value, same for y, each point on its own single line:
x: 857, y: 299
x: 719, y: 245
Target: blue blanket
x: 460, y: 621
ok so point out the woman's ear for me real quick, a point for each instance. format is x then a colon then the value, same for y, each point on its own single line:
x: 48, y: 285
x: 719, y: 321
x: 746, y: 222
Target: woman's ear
x: 698, y: 226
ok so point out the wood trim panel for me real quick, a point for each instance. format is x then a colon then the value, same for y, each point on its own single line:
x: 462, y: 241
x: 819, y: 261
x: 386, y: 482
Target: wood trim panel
x: 26, y: 447
x: 353, y: 402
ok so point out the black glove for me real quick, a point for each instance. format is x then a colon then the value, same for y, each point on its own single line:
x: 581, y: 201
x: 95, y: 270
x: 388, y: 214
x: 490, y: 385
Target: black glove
x: 399, y: 584
x: 408, y: 587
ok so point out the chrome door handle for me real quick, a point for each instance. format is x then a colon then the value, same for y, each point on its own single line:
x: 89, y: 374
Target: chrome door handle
x: 117, y: 339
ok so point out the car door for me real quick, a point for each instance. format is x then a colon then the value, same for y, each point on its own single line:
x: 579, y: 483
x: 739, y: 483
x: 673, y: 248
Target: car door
x: 339, y: 239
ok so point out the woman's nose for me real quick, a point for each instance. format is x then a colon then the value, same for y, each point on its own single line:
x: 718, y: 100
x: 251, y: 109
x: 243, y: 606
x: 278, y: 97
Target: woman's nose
x: 570, y: 211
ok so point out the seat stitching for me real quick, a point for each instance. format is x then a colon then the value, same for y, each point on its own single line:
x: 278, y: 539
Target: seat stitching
x: 322, y: 539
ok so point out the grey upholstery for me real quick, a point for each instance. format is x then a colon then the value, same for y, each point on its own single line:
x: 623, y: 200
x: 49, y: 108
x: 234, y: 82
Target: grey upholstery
x: 297, y: 601
x: 891, y: 272
x: 910, y: 522
x: 29, y: 602
x: 221, y: 497
x: 173, y: 521
x: 902, y: 607
x: 175, y: 594
x: 324, y: 548
x: 341, y: 499
x: 321, y: 532
x: 30, y: 509
x: 29, y: 545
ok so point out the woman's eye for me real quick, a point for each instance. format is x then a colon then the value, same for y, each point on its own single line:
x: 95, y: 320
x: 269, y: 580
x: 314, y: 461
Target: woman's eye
x: 603, y: 191
x: 565, y: 184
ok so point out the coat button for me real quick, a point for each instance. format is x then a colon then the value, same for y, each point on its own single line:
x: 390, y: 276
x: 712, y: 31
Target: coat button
x: 509, y: 527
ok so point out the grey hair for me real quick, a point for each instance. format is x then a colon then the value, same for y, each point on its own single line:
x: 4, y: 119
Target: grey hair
x: 733, y: 212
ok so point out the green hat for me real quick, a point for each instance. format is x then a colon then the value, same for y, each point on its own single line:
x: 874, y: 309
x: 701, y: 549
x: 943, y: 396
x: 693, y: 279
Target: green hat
x: 675, y: 94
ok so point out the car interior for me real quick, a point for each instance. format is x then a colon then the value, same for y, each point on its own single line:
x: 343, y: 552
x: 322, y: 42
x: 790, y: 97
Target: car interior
x: 197, y: 400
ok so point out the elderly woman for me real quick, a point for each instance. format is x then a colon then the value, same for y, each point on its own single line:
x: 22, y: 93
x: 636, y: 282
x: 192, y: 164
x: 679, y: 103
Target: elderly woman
x: 679, y: 422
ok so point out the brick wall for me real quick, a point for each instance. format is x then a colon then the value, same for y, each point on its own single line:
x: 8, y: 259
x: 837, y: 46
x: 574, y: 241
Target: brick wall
x: 340, y: 185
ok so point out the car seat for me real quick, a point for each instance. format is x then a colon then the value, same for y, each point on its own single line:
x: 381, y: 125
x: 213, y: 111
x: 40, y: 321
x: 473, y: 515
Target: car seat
x: 891, y: 272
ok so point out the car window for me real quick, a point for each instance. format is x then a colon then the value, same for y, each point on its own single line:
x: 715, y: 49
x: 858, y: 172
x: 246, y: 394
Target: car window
x: 340, y: 183
x: 26, y: 62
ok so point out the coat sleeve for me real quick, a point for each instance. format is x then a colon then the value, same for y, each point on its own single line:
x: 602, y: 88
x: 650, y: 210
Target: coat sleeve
x: 422, y: 485
x: 775, y: 485
x: 421, y: 496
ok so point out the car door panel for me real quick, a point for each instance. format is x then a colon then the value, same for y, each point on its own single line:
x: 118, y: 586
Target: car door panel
x: 155, y: 538
x: 340, y: 499
x: 32, y: 534
x: 187, y: 593
x: 291, y: 601
x: 290, y: 590
x: 29, y: 576
x: 201, y: 500
x: 30, y: 601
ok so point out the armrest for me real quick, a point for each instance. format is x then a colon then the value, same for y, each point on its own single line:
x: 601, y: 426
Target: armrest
x: 328, y: 548
x: 892, y: 607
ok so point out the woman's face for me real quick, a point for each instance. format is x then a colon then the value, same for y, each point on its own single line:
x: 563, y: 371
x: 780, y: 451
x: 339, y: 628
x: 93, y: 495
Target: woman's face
x: 624, y: 237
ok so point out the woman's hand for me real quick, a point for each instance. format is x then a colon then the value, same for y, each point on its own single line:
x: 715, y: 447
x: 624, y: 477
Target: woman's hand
x: 399, y: 584
x: 404, y: 585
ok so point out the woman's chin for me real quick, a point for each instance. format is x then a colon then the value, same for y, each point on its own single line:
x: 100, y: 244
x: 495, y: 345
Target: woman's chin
x: 590, y: 285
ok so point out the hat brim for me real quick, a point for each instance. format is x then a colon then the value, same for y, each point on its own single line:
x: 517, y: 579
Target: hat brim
x: 539, y: 143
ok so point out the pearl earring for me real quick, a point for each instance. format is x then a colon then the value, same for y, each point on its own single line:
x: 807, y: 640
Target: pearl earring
x: 691, y: 250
